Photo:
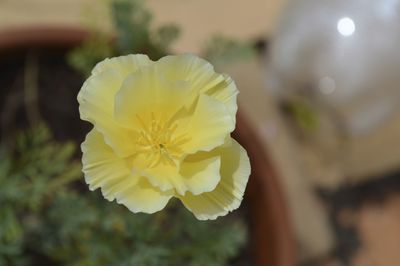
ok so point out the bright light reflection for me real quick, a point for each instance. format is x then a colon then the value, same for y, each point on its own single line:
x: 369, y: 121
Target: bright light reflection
x: 346, y: 26
x: 327, y: 85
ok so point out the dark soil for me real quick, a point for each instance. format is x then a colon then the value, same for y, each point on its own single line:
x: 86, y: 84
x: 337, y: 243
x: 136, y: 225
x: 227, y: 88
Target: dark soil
x: 57, y: 87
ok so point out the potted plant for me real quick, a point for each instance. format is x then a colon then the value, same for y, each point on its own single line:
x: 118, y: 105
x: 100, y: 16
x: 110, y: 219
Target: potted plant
x: 40, y: 80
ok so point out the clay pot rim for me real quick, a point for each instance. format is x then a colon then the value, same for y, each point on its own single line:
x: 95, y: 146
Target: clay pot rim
x: 41, y: 36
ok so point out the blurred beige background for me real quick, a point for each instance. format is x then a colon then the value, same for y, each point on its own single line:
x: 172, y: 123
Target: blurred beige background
x: 198, y: 19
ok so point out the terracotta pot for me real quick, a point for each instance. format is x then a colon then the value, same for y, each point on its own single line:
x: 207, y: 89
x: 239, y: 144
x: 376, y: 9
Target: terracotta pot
x: 271, y: 234
x: 17, y: 39
x: 270, y: 224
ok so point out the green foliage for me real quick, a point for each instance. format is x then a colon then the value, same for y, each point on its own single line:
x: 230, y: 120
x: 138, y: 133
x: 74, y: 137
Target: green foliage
x: 134, y: 33
x: 132, y: 24
x: 222, y: 50
x: 46, y: 219
x: 93, y: 50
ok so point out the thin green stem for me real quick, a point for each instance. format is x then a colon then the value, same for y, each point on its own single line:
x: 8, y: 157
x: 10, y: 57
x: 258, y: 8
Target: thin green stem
x: 31, y: 89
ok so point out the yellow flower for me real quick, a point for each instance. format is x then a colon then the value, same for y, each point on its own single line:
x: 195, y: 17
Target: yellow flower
x: 161, y: 130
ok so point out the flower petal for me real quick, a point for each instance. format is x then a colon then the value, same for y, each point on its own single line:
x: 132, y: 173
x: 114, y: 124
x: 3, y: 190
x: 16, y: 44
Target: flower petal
x: 207, y: 127
x: 143, y: 197
x: 124, y: 65
x: 202, y: 78
x: 96, y: 99
x: 227, y: 196
x: 163, y: 176
x: 191, y: 68
x: 200, y: 172
x: 147, y: 92
x: 226, y: 92
x: 96, y: 106
x: 102, y: 168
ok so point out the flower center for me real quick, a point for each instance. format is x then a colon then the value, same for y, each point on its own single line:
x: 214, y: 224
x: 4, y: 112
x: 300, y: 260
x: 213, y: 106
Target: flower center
x: 159, y: 142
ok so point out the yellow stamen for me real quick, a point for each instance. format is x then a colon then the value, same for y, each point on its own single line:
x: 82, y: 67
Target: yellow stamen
x: 159, y: 141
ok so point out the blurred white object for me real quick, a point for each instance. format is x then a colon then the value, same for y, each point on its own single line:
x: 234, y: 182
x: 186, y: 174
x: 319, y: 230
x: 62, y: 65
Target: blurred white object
x: 346, y: 26
x: 344, y: 54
